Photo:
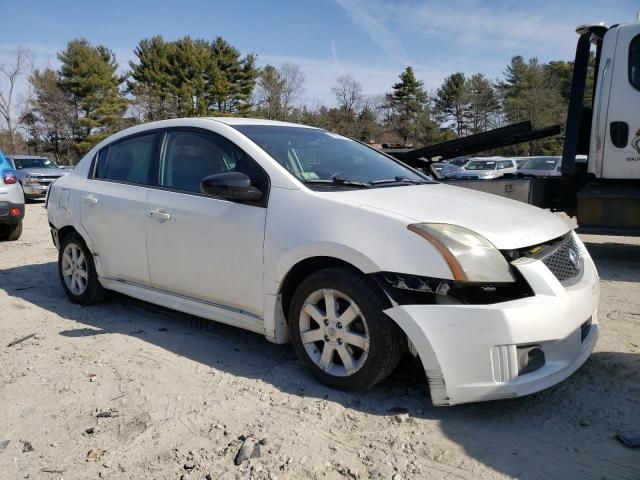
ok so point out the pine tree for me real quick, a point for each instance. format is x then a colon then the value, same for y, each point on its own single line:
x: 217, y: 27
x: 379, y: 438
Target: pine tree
x: 452, y: 102
x: 88, y: 75
x: 408, y: 101
x: 482, y: 104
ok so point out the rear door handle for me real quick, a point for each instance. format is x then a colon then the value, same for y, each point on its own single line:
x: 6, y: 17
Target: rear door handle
x: 160, y: 215
x: 90, y: 200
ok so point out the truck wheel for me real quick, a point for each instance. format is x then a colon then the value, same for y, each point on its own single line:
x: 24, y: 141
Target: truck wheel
x: 11, y: 232
x: 78, y: 272
x: 339, y: 332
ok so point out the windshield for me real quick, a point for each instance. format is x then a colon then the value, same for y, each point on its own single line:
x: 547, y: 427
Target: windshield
x: 480, y: 165
x: 541, y: 164
x: 22, y: 163
x: 313, y: 156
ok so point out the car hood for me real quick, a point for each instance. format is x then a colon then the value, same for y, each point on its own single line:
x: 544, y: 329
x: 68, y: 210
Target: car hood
x: 539, y: 173
x: 48, y: 172
x: 505, y: 223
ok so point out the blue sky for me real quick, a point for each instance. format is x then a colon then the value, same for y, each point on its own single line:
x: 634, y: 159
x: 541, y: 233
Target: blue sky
x: 374, y: 40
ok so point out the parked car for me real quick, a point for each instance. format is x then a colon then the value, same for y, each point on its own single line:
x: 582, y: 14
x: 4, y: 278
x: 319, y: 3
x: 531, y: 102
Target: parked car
x: 11, y: 202
x: 486, y: 168
x: 35, y: 174
x: 307, y: 236
x: 444, y: 169
x: 548, y: 166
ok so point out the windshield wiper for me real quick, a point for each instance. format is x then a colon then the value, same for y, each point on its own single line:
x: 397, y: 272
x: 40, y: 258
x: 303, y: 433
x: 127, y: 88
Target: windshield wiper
x: 398, y: 179
x: 337, y: 181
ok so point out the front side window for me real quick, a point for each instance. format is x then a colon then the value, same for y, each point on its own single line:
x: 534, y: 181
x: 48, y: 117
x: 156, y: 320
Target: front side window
x: 314, y: 155
x: 634, y: 62
x: 190, y: 156
x: 129, y: 160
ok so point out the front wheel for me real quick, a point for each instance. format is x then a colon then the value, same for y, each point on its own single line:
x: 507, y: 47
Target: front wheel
x: 339, y: 331
x: 78, y: 272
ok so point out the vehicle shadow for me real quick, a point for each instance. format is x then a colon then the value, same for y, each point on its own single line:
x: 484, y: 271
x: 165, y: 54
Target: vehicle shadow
x: 564, y: 432
x: 616, y: 261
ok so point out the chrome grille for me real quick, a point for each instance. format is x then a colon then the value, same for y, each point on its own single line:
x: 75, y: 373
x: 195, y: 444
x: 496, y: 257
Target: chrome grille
x: 565, y: 262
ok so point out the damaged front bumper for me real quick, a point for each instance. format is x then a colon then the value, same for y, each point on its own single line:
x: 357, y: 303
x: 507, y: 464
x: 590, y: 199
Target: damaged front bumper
x: 476, y: 352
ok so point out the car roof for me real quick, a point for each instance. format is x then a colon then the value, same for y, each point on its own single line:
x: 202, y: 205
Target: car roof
x: 26, y: 157
x: 232, y: 121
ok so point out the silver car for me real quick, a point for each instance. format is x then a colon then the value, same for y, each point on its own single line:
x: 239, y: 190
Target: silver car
x: 35, y: 174
x: 486, y: 168
x: 541, y: 167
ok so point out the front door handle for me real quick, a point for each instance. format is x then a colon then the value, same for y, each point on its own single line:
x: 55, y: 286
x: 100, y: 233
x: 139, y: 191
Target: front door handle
x: 160, y: 215
x: 90, y: 200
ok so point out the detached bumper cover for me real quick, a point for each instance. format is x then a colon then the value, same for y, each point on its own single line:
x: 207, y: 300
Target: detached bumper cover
x: 468, y: 351
x: 5, y: 209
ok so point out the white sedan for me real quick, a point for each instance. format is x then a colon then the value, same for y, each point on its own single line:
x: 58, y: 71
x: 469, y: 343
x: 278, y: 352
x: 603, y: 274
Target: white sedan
x: 310, y: 237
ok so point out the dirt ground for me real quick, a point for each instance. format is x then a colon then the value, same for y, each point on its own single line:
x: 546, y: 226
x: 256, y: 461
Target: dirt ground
x: 129, y: 390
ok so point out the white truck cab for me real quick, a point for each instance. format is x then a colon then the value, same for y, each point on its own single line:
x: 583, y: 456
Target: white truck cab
x: 614, y: 150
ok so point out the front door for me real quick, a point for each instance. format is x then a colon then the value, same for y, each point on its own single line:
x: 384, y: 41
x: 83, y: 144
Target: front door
x: 114, y: 206
x: 622, y: 143
x: 202, y: 247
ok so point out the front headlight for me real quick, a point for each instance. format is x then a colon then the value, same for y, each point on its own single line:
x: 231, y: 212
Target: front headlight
x: 471, y: 257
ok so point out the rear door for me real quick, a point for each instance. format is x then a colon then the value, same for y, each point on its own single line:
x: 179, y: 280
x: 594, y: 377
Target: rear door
x: 113, y: 206
x: 622, y: 140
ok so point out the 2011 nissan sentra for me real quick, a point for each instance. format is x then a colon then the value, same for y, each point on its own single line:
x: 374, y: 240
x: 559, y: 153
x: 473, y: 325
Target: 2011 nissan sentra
x: 310, y: 237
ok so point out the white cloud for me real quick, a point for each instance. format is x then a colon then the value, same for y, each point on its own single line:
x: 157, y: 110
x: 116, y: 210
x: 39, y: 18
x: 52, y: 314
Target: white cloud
x: 366, y: 18
x: 334, y: 52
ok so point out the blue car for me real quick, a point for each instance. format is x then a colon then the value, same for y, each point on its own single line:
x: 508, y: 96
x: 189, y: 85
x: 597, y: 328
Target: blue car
x: 11, y: 202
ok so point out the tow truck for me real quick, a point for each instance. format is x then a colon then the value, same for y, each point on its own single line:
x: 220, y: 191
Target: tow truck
x: 603, y: 193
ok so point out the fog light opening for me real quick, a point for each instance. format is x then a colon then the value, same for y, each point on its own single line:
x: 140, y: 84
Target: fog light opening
x: 530, y: 359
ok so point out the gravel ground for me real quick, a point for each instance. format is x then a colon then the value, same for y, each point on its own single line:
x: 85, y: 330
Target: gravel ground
x: 129, y: 390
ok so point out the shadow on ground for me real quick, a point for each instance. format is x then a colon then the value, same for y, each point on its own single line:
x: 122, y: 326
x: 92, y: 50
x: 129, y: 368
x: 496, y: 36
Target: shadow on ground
x: 564, y: 432
x: 616, y: 261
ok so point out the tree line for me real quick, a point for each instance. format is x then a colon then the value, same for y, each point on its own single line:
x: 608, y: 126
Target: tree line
x: 88, y: 97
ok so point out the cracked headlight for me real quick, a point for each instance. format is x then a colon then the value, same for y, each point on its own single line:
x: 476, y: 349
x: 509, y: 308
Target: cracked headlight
x: 471, y: 257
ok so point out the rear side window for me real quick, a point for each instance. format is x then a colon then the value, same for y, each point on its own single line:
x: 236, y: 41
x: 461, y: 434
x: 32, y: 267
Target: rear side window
x: 505, y: 164
x: 129, y: 160
x: 634, y: 62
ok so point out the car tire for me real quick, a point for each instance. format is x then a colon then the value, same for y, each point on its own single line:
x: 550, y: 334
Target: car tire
x: 364, y: 348
x: 77, y: 272
x: 11, y: 232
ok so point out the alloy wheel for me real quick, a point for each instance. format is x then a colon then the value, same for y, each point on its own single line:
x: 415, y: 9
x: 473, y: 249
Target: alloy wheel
x: 74, y: 269
x: 334, y: 332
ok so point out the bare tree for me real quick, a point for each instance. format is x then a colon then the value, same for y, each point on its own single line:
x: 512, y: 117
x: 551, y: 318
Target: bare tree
x: 11, y: 74
x: 348, y: 92
x: 269, y: 87
x: 293, y: 79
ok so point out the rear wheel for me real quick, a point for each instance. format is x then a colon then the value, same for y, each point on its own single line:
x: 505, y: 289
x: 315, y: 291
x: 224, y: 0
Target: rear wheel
x: 78, y: 272
x: 11, y: 232
x: 339, y: 332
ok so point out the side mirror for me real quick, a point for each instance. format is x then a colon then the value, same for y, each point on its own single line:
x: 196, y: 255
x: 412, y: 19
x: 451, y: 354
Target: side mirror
x: 230, y: 185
